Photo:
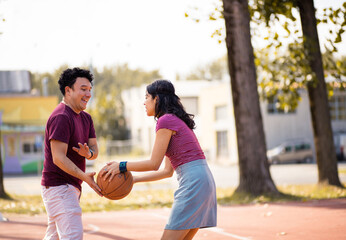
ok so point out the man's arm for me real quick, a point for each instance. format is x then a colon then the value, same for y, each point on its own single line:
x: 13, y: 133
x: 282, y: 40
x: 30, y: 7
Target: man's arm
x: 86, y: 149
x: 59, y: 150
x: 92, y: 143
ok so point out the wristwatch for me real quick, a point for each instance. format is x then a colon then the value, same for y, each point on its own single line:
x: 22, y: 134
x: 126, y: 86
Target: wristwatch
x: 92, y: 153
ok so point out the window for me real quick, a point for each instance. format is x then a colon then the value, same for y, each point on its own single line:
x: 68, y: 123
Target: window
x: 32, y: 144
x: 273, y: 107
x: 301, y: 147
x: 29, y: 148
x: 190, y: 104
x: 26, y: 148
x: 220, y: 112
x: 288, y: 149
x: 222, y: 143
x: 337, y: 107
x: 37, y: 148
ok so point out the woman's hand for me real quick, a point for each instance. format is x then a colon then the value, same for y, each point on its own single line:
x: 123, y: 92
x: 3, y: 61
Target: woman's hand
x: 111, y: 169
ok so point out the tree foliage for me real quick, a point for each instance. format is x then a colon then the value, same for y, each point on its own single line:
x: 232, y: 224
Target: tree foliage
x: 52, y: 87
x: 281, y: 64
x: 215, y: 70
x: 284, y: 69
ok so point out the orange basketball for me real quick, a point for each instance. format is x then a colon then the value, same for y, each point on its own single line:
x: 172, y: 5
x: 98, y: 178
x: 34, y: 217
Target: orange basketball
x: 118, y: 188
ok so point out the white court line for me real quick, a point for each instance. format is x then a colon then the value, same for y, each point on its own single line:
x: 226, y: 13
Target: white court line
x: 222, y: 232
x: 214, y: 229
x: 94, y: 229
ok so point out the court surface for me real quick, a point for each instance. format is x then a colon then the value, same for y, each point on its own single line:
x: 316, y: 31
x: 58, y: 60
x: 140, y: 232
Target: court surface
x: 322, y: 220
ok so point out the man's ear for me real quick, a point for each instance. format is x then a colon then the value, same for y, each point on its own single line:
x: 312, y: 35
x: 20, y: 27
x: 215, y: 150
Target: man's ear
x: 67, y: 90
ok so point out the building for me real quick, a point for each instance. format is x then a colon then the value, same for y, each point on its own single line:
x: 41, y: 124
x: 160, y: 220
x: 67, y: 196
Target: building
x: 207, y: 100
x: 23, y: 119
x: 211, y: 102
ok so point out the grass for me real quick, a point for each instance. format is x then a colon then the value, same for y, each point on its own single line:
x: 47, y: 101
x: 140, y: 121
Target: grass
x: 342, y: 171
x: 32, y: 204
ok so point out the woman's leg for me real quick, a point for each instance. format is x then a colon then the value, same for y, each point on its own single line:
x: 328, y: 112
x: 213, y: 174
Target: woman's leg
x: 179, y: 234
x: 191, y: 234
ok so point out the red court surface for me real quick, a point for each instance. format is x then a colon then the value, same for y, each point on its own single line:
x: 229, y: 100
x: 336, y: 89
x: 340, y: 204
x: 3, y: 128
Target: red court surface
x: 315, y: 220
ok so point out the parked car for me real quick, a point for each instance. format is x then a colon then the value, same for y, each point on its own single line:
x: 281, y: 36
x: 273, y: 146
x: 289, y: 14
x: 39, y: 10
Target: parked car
x: 291, y: 152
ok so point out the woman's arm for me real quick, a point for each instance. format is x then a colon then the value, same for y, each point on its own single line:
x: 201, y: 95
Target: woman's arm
x: 166, y: 172
x: 163, y: 136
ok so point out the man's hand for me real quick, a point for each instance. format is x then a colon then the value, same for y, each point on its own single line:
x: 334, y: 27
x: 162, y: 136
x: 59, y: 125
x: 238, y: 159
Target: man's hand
x: 83, y: 150
x: 89, y: 179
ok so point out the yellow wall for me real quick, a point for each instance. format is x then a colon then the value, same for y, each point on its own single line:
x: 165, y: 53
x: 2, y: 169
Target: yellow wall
x: 29, y: 110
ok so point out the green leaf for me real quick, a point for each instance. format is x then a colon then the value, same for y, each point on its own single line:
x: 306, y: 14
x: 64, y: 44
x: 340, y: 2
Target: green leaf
x: 276, y: 36
x: 338, y: 39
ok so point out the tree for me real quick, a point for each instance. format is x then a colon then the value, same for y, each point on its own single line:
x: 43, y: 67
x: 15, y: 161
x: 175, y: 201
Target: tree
x: 319, y: 108
x: 290, y: 72
x: 3, y: 193
x: 307, y: 72
x: 254, y: 174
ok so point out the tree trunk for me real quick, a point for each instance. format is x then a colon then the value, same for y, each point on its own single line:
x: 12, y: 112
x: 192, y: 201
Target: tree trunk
x: 319, y: 108
x: 3, y: 194
x: 254, y: 172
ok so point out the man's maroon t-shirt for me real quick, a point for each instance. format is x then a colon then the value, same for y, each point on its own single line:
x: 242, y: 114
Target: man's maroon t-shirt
x: 69, y: 127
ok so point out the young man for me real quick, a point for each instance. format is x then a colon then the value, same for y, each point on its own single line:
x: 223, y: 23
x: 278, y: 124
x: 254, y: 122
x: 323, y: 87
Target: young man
x: 69, y: 139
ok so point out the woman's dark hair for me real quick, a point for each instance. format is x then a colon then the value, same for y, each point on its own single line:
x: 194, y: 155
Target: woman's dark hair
x: 69, y: 76
x: 168, y: 102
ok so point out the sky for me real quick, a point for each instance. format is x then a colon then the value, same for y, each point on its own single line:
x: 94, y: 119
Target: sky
x: 41, y: 35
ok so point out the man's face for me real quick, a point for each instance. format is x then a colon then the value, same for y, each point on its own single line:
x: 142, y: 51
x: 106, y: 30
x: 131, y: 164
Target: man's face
x: 79, y: 95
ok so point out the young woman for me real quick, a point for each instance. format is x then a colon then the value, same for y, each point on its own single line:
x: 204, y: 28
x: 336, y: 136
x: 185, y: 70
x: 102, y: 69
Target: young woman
x: 194, y: 203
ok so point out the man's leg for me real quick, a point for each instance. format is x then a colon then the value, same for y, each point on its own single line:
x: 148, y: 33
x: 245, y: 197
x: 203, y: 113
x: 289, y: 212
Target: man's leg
x: 69, y: 224
x: 51, y: 233
x: 62, y: 205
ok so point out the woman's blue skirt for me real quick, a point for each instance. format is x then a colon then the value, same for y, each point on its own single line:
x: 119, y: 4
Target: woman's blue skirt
x: 195, y: 204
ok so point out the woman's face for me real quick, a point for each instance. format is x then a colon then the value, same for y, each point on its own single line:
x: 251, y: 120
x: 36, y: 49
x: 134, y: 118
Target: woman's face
x: 149, y: 104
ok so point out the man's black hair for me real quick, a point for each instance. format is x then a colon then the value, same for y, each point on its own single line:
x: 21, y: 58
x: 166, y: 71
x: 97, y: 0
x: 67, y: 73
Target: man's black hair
x: 69, y: 76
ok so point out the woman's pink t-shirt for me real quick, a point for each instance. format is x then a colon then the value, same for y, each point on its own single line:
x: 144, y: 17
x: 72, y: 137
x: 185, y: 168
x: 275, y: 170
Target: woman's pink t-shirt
x: 183, y: 146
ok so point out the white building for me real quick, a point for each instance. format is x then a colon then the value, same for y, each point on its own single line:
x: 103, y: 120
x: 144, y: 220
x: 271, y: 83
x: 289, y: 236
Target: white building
x: 211, y: 103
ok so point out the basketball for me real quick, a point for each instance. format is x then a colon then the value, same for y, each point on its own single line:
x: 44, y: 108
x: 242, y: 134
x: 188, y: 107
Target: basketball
x: 118, y: 188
